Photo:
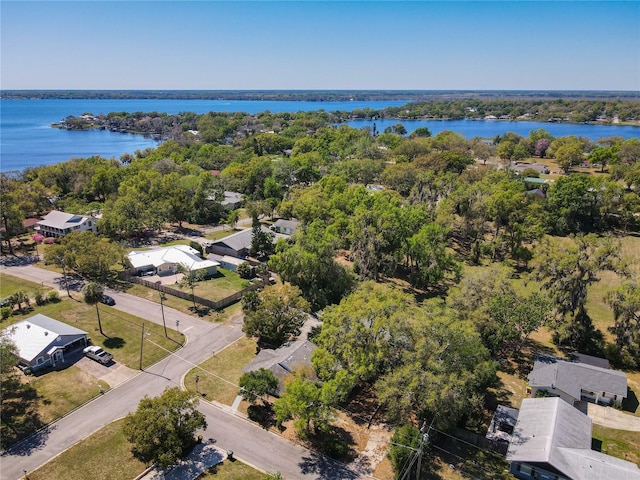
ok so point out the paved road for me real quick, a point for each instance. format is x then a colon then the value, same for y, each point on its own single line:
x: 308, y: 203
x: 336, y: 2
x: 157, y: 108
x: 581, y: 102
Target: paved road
x: 258, y: 447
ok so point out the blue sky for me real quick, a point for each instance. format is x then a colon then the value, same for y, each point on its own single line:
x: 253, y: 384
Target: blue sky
x: 452, y: 45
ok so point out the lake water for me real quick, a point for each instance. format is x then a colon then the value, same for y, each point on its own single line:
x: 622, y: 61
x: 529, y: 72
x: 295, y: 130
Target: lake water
x: 27, y: 138
x: 491, y: 128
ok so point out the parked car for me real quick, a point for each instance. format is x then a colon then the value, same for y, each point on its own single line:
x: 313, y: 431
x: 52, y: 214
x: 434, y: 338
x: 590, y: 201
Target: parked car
x: 98, y: 354
x: 107, y: 300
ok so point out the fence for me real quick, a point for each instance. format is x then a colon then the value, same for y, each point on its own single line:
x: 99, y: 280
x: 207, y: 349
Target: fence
x: 217, y: 305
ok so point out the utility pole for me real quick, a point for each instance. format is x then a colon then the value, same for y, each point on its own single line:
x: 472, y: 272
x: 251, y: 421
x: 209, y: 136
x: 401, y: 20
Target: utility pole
x: 64, y: 272
x: 141, y: 344
x: 423, y: 440
x: 162, y: 297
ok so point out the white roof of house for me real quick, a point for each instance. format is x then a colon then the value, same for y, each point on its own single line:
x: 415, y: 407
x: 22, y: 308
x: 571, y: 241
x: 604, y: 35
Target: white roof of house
x: 62, y: 220
x: 35, y: 334
x: 551, y: 431
x: 183, y: 255
x: 233, y: 260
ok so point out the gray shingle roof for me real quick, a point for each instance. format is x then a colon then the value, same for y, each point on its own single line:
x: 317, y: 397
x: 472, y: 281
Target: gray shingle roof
x: 284, y: 360
x: 242, y: 239
x: 550, y: 431
x: 571, y: 377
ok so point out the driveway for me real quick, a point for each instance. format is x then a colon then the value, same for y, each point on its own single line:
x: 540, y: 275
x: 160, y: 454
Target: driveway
x: 611, y: 418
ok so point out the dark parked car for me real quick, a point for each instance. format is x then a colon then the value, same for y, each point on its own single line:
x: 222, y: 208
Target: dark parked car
x: 107, y: 300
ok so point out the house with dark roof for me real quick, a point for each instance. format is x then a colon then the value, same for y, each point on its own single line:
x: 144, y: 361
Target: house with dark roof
x: 59, y: 224
x: 284, y: 361
x: 238, y: 244
x: 574, y: 381
x: 552, y: 440
x: 43, y: 342
x: 502, y: 424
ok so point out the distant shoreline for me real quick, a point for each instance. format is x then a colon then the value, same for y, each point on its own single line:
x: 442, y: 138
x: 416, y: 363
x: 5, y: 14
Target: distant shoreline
x: 319, y: 95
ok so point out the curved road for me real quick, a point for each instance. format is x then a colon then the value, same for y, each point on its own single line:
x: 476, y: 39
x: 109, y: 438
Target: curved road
x: 249, y: 442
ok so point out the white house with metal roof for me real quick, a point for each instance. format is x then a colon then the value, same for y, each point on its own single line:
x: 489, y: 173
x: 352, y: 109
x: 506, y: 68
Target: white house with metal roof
x: 575, y: 381
x: 552, y: 440
x: 42, y: 341
x: 59, y: 224
x: 168, y: 260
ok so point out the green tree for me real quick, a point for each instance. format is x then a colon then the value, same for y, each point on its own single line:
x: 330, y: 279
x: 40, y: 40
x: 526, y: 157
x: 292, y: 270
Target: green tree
x: 310, y: 265
x: 258, y: 383
x: 278, y: 316
x: 162, y: 428
x: 191, y: 279
x: 566, y: 270
x: 312, y: 406
x: 261, y: 242
x: 625, y: 302
x: 404, y: 441
x: 232, y: 219
x: 92, y: 294
x: 430, y: 261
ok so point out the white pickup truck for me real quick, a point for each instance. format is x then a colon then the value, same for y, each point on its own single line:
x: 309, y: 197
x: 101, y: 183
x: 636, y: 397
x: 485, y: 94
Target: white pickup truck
x: 98, y: 354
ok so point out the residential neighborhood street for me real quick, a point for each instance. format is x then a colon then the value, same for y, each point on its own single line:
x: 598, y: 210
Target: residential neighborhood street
x: 250, y: 443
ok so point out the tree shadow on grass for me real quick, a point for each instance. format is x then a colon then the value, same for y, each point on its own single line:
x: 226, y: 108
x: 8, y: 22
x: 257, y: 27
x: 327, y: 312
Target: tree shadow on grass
x: 19, y: 414
x: 114, y: 342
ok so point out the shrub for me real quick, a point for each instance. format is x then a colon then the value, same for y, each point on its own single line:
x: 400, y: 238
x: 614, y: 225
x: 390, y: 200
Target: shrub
x: 6, y: 312
x: 244, y: 270
x: 53, y: 296
x: 40, y: 300
x: 196, y: 246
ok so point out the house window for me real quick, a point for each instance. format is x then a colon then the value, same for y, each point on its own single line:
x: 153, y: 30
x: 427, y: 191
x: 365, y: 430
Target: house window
x: 40, y: 360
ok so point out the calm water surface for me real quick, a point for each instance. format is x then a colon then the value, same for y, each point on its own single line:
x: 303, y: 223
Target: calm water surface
x: 27, y: 139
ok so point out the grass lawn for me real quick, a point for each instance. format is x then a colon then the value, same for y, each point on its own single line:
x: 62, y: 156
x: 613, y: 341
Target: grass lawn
x: 229, y: 470
x: 218, y: 234
x: 61, y: 391
x: 182, y: 305
x: 10, y: 285
x: 618, y: 443
x: 123, y: 330
x: 220, y: 374
x: 220, y: 286
x: 105, y: 455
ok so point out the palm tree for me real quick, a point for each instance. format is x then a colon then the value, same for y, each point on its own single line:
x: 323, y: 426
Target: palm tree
x: 93, y: 293
x: 232, y: 219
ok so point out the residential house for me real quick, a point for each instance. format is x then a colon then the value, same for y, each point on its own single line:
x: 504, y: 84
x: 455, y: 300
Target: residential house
x: 238, y: 244
x: 58, y: 224
x: 552, y: 440
x: 284, y: 361
x: 169, y: 260
x: 286, y: 227
x: 43, y: 342
x: 232, y: 200
x: 538, y: 167
x: 574, y: 381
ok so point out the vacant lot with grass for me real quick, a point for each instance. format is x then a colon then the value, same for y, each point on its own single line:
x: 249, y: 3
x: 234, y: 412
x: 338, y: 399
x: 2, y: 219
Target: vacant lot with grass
x: 10, y: 285
x: 220, y: 374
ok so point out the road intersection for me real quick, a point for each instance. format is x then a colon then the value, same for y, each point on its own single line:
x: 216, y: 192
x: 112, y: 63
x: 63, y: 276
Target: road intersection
x: 229, y: 430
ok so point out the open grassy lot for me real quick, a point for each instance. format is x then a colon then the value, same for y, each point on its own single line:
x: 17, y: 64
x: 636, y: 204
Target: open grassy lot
x: 229, y: 470
x: 105, y: 455
x: 218, y: 234
x: 10, y: 285
x: 61, y: 391
x: 221, y: 285
x: 220, y: 374
x: 617, y: 443
x: 123, y: 330
x: 184, y: 306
